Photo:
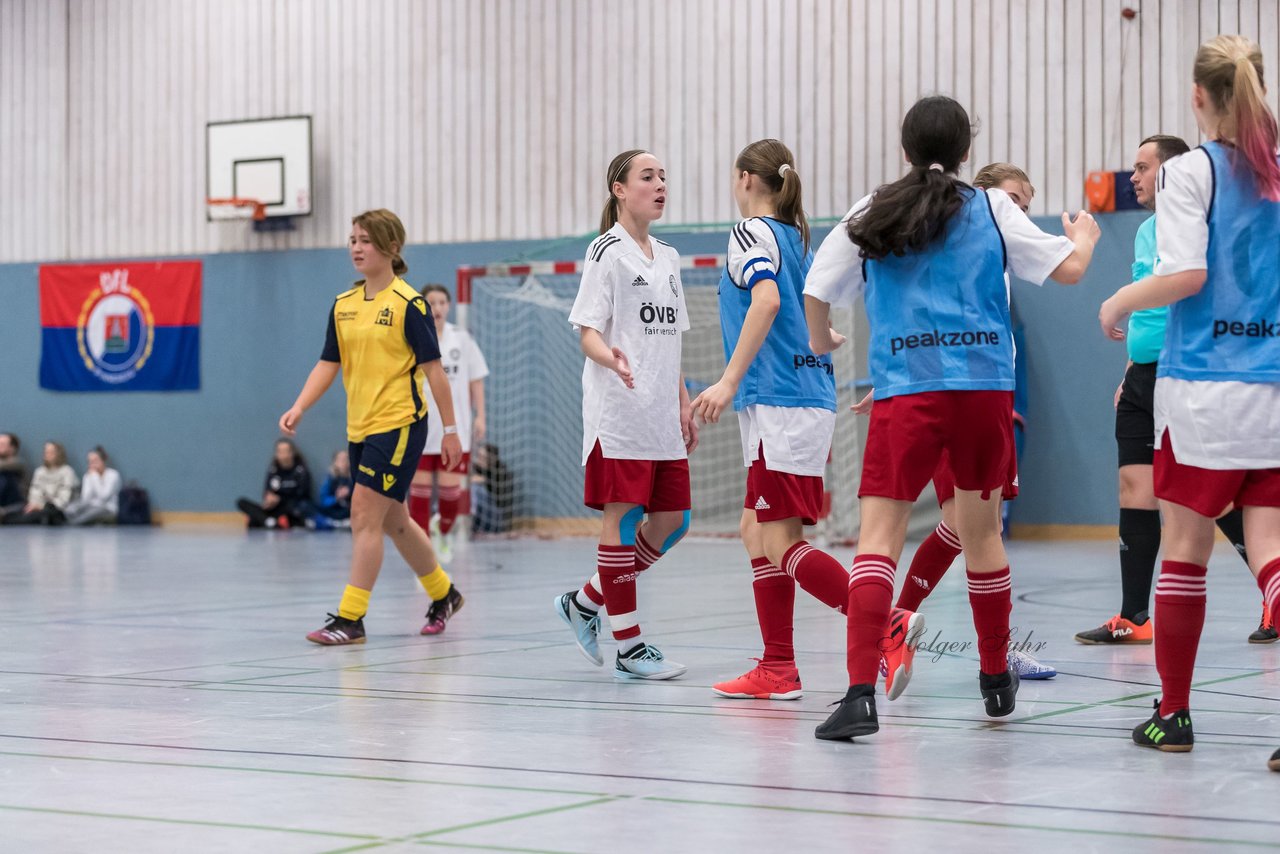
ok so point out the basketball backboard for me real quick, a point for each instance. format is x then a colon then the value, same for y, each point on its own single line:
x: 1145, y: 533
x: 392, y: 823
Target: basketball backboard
x: 267, y: 160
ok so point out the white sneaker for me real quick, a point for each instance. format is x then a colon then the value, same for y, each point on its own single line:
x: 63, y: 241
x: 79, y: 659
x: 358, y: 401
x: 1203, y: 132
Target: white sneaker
x: 585, y: 629
x: 646, y: 662
x: 1028, y: 668
x: 441, y: 542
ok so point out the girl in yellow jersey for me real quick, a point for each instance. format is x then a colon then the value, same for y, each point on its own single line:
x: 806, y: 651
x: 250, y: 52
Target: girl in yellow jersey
x: 382, y: 338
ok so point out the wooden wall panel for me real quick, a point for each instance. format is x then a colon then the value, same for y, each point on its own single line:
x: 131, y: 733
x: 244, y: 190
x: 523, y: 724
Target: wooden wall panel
x: 493, y: 119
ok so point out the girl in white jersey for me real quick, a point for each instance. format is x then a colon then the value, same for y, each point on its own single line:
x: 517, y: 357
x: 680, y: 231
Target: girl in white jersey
x: 929, y: 252
x: 465, y: 367
x: 786, y: 403
x: 1218, y: 382
x: 637, y: 427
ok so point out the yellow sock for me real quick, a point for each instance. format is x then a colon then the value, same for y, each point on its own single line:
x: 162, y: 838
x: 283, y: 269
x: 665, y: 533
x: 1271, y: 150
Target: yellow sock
x: 436, y: 583
x: 354, y: 604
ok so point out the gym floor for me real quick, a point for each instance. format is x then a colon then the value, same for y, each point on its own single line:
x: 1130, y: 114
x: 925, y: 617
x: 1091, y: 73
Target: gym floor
x: 157, y: 695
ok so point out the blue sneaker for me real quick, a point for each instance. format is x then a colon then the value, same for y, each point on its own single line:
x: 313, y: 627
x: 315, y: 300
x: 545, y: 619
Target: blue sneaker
x: 646, y: 662
x: 1028, y: 668
x: 585, y: 625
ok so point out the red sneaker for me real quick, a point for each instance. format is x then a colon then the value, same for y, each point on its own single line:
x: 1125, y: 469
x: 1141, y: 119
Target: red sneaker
x: 765, y: 682
x: 898, y: 649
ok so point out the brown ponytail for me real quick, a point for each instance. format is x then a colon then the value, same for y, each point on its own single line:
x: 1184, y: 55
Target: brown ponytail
x: 772, y: 162
x: 619, y: 168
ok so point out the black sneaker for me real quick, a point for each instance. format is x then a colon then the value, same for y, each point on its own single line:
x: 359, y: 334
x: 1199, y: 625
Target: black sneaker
x: 1274, y: 762
x: 339, y: 631
x: 854, y: 715
x: 1266, y: 631
x: 441, y: 610
x: 998, y: 692
x: 1172, y: 735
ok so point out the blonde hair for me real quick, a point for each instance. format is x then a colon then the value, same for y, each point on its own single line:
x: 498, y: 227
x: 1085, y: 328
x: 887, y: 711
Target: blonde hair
x: 994, y: 174
x: 765, y: 159
x: 387, y: 234
x: 1229, y: 69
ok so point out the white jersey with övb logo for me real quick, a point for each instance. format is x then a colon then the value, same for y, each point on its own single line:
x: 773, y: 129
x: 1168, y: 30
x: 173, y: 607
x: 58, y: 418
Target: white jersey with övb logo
x: 463, y: 363
x: 637, y: 305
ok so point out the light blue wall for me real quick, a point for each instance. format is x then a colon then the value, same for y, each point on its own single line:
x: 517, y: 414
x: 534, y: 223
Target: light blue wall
x: 263, y: 325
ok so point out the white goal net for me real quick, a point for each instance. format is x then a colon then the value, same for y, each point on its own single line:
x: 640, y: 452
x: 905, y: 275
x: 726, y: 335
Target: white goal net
x: 519, y: 313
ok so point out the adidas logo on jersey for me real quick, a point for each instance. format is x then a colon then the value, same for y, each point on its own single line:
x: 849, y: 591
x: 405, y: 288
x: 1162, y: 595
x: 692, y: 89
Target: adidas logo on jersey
x: 761, y: 504
x: 639, y: 282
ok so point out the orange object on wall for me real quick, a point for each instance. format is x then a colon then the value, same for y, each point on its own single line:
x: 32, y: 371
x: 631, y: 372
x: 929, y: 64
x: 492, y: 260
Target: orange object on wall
x: 1100, y: 192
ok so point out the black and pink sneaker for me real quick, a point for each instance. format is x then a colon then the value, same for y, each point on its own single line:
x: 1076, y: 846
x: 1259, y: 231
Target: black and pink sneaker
x: 339, y: 631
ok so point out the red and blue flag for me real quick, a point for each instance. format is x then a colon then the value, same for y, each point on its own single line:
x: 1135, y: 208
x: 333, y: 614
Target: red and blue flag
x: 120, y: 327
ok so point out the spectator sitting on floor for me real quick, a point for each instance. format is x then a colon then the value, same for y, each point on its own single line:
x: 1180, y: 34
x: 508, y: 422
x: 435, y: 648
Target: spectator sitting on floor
x: 13, y: 474
x: 99, y: 499
x: 286, y: 498
x: 335, y: 496
x: 492, y: 491
x: 53, y: 486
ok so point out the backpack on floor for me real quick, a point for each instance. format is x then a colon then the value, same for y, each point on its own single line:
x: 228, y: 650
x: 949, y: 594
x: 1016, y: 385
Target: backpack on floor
x: 135, y: 505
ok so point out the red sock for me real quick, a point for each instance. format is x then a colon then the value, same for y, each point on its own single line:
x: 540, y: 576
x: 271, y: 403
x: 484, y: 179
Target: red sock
x: 990, y: 597
x: 818, y: 574
x: 646, y: 555
x: 449, y: 499
x: 464, y: 503
x: 1269, y: 584
x: 420, y: 504
x: 869, y: 598
x: 1180, y: 603
x: 617, y: 565
x: 930, y: 563
x: 775, y: 604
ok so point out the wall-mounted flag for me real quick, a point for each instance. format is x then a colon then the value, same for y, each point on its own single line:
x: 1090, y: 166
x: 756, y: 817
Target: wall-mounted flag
x: 120, y: 327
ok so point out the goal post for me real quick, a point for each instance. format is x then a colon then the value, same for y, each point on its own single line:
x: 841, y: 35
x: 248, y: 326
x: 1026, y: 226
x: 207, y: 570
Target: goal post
x: 518, y: 314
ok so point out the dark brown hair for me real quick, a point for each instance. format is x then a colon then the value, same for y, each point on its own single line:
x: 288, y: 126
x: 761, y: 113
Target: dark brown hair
x: 912, y: 212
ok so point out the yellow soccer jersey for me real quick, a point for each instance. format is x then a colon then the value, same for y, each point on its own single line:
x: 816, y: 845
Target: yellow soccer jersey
x: 380, y: 342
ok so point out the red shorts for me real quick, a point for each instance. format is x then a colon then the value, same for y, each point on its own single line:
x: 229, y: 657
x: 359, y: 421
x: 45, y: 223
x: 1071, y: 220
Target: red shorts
x: 909, y: 433
x: 778, y: 495
x: 656, y: 485
x: 434, y: 462
x: 944, y: 482
x: 1210, y: 491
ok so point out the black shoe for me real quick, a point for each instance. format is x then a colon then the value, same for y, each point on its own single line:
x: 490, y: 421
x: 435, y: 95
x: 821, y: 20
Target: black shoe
x: 1266, y: 631
x: 998, y: 692
x: 339, y: 631
x: 1172, y: 735
x: 854, y: 715
x: 1274, y: 762
x: 441, y: 610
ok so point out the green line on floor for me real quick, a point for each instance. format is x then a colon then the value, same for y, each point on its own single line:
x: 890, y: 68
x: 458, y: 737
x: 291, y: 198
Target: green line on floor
x: 964, y: 821
x: 421, y: 838
x: 1138, y: 696
x: 226, y: 825
x: 367, y: 778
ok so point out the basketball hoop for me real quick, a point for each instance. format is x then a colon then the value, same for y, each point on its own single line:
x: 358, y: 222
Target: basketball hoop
x: 259, y: 208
